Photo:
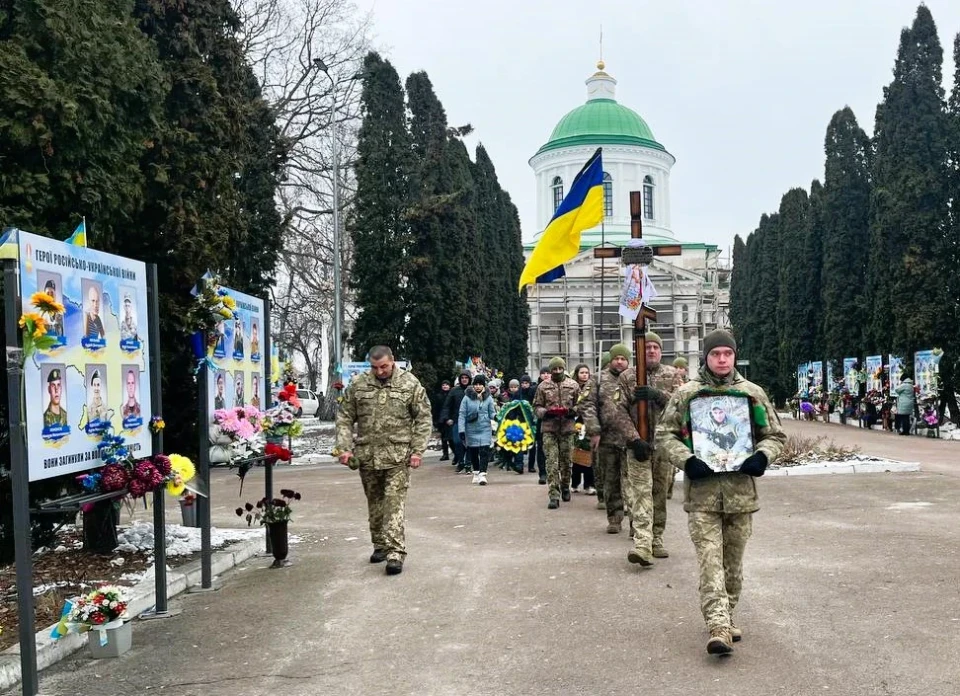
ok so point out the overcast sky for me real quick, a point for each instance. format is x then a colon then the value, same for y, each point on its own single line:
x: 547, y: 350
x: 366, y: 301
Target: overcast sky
x: 739, y: 91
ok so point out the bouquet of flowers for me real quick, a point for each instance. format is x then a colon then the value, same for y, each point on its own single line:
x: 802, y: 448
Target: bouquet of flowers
x: 234, y: 434
x: 267, y: 511
x: 211, y: 306
x: 581, y: 441
x: 281, y: 420
x: 98, y: 608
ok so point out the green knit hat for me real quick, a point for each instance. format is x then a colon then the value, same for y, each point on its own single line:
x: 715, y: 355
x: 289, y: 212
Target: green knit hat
x: 651, y: 337
x: 680, y: 363
x: 556, y: 362
x: 718, y: 338
x: 605, y: 360
x: 621, y: 351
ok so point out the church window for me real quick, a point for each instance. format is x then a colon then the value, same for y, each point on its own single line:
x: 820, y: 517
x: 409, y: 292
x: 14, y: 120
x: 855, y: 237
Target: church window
x: 557, y: 188
x: 607, y: 195
x: 648, y: 197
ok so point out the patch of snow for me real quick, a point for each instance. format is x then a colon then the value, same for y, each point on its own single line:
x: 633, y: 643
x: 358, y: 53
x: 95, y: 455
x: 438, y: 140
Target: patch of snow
x: 919, y: 505
x: 181, y: 541
x: 43, y: 588
x: 117, y: 562
x: 949, y: 431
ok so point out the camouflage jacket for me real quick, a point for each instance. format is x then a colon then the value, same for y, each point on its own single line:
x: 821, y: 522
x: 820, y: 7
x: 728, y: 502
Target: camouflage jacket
x: 552, y: 394
x: 726, y: 492
x: 610, y: 410
x: 393, y: 420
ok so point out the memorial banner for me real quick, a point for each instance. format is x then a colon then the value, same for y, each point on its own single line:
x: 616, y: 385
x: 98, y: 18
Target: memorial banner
x: 926, y: 369
x: 239, y: 357
x: 850, y: 374
x: 802, y: 377
x: 96, y: 376
x: 896, y: 370
x: 352, y: 369
x: 817, y: 367
x: 873, y: 364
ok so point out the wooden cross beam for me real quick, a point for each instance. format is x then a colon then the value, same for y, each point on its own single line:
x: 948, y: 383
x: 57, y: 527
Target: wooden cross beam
x: 646, y: 313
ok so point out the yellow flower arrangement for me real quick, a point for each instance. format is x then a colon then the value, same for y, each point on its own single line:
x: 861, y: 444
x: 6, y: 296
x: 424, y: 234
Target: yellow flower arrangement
x: 184, y: 470
x: 46, y: 304
x: 229, y: 302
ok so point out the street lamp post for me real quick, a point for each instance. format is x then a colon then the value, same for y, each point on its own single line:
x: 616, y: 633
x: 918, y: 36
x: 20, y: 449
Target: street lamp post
x: 337, y: 298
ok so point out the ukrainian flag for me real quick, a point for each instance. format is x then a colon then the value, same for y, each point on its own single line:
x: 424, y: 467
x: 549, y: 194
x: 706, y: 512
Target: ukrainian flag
x: 581, y: 209
x: 79, y: 236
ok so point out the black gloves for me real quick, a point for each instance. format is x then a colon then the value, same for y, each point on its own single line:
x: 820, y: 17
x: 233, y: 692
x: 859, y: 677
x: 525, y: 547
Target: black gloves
x: 755, y: 464
x: 463, y: 438
x: 696, y: 469
x: 641, y: 450
x: 646, y: 393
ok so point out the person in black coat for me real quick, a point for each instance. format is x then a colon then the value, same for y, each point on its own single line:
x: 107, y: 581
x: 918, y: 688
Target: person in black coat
x: 449, y: 416
x: 436, y: 407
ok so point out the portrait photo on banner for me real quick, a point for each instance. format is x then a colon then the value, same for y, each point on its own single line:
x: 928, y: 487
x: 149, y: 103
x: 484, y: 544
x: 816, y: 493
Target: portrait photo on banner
x: 94, y: 335
x: 720, y: 429
x: 98, y: 411
x: 56, y: 425
x: 129, y: 332
x: 131, y: 411
x: 220, y: 390
x: 51, y: 283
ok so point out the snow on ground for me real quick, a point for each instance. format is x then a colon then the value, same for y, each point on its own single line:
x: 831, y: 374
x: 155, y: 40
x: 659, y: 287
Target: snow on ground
x: 181, y: 541
x: 949, y: 431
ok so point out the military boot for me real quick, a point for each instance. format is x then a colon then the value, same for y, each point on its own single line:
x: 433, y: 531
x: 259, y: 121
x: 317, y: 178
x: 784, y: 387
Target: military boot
x: 378, y: 556
x: 720, y: 642
x: 394, y: 566
x: 735, y: 632
x: 565, y: 495
x: 553, y: 504
x: 658, y: 550
x: 642, y: 557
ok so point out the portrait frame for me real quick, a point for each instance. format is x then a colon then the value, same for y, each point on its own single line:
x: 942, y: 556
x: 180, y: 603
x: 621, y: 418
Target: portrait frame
x: 721, y: 429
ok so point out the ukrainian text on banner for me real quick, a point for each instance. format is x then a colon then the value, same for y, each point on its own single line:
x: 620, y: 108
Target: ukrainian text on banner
x: 96, y: 376
x: 926, y: 368
x: 850, y: 374
x: 817, y: 367
x: 239, y: 357
x: 874, y: 367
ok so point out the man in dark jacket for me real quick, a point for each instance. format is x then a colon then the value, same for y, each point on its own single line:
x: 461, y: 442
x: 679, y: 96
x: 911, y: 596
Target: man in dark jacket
x: 436, y: 405
x: 449, y: 415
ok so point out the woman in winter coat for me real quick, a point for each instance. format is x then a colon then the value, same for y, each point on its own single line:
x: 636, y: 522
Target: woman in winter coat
x: 581, y: 374
x: 477, y: 415
x: 906, y: 403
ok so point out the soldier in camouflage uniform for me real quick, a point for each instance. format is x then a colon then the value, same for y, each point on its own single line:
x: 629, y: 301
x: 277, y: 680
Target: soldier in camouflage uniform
x: 681, y: 365
x: 587, y: 407
x: 555, y: 405
x: 720, y: 506
x: 393, y: 421
x: 663, y: 381
x: 626, y: 458
x: 54, y: 414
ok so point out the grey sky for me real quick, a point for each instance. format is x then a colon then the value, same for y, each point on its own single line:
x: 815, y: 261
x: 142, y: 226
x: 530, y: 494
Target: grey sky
x: 739, y: 91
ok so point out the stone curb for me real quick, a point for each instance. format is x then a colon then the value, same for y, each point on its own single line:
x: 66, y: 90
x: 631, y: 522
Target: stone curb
x: 142, y: 597
x: 893, y: 467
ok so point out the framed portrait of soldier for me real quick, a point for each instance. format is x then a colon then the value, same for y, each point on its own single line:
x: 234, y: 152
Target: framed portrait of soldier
x: 93, y: 333
x: 54, y: 399
x: 220, y: 390
x: 720, y: 430
x: 51, y: 284
x: 129, y: 329
x: 98, y: 412
x: 130, y: 410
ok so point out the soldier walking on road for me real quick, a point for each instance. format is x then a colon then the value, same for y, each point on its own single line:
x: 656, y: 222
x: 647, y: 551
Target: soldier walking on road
x: 555, y: 405
x: 720, y: 506
x: 393, y: 422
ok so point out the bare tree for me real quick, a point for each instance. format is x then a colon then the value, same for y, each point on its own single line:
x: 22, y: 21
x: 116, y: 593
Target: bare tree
x: 308, y: 55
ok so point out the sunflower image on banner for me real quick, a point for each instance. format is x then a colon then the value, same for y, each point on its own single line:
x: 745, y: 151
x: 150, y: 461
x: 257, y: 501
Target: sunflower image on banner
x: 516, y: 431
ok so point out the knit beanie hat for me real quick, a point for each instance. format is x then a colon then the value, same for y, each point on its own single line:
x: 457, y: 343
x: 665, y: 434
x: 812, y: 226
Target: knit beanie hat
x: 718, y: 338
x: 605, y: 360
x: 680, y: 363
x: 555, y: 363
x: 514, y: 383
x: 480, y: 379
x: 495, y: 383
x: 651, y: 337
x: 526, y: 378
x: 621, y: 351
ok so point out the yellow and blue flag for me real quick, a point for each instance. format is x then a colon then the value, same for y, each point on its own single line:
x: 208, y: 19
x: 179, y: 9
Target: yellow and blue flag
x: 79, y: 236
x: 581, y: 209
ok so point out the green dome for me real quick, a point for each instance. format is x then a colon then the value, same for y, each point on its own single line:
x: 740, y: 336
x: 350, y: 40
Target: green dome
x: 601, y: 122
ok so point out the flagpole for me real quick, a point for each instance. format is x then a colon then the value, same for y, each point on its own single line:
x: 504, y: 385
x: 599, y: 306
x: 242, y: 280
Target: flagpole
x: 603, y: 284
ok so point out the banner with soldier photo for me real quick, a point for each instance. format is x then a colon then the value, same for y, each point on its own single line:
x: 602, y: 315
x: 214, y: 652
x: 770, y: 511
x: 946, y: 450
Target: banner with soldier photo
x: 874, y: 368
x: 896, y: 371
x: 96, y: 375
x: 239, y: 357
x: 850, y: 374
x: 926, y: 370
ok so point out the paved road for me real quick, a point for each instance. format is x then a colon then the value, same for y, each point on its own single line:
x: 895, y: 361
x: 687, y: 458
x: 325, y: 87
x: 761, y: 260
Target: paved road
x: 934, y: 455
x: 851, y: 588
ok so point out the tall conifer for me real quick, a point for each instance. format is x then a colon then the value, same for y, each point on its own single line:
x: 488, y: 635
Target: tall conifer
x: 794, y: 342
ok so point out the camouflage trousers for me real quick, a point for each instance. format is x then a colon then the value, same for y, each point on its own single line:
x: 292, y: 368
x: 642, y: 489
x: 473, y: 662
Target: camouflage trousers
x: 662, y: 473
x: 557, y: 449
x: 386, y: 491
x: 638, y: 500
x: 611, y: 461
x: 598, y: 473
x: 720, y: 540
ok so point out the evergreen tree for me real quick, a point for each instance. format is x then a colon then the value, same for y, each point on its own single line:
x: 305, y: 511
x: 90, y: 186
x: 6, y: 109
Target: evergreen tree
x: 739, y: 292
x: 489, y: 336
x: 811, y: 274
x: 846, y: 235
x: 378, y: 224
x: 765, y: 326
x: 950, y: 260
x: 794, y: 342
x: 441, y: 291
x: 518, y: 311
x: 908, y: 199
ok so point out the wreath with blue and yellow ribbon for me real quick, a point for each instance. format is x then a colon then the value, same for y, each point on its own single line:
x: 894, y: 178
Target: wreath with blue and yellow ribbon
x: 516, y: 431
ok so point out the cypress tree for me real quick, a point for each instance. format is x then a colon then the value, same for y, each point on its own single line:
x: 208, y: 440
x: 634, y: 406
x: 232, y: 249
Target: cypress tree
x: 907, y: 287
x: 794, y: 339
x: 950, y: 261
x: 378, y: 225
x: 739, y: 292
x: 766, y: 295
x: 441, y: 291
x: 846, y: 234
x: 812, y: 273
x: 518, y: 312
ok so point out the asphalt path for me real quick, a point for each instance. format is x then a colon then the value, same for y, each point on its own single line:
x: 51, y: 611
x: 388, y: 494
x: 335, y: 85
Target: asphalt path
x: 851, y: 587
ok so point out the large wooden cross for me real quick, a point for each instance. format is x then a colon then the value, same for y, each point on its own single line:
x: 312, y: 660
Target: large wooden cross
x: 632, y: 255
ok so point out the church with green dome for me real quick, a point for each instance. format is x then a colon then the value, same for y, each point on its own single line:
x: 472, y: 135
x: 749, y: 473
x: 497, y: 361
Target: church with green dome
x: 577, y: 316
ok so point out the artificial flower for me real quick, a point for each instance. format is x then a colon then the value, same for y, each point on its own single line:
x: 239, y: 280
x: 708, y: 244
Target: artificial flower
x: 45, y: 303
